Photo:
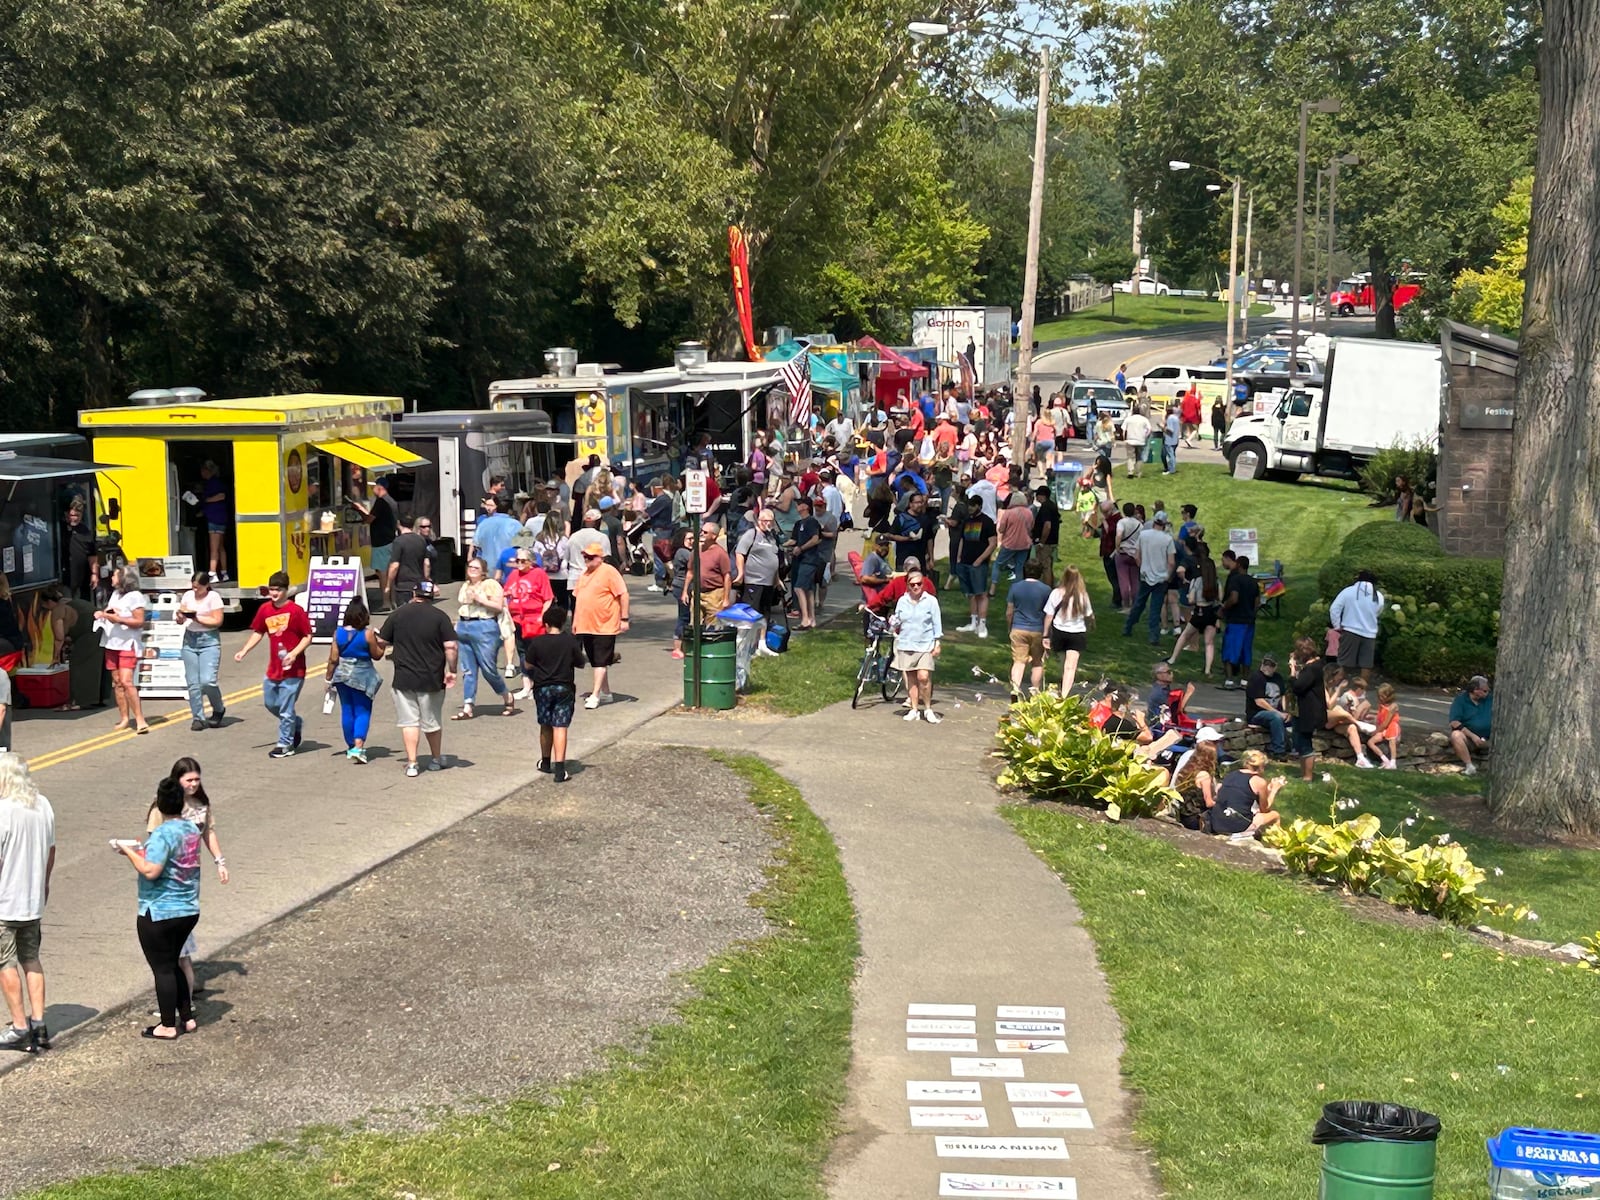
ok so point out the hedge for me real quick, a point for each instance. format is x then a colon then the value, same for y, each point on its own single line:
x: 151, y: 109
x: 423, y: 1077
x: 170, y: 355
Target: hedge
x: 1407, y: 561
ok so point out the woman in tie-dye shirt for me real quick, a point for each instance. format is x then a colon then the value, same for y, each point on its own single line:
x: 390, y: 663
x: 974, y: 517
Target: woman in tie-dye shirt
x: 169, y: 905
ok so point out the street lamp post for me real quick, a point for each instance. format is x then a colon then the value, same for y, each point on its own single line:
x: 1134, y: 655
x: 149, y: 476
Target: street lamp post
x: 1030, y: 272
x: 1346, y: 160
x: 1316, y: 246
x: 1178, y: 164
x: 1329, y: 104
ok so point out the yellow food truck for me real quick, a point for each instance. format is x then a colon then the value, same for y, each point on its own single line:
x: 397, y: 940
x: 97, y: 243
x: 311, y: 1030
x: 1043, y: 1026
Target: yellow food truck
x: 286, y: 467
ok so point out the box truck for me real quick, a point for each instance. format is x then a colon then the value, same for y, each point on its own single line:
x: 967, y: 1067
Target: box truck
x: 984, y: 334
x: 1375, y: 394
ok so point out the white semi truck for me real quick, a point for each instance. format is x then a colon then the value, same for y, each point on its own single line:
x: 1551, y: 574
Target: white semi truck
x: 1375, y: 394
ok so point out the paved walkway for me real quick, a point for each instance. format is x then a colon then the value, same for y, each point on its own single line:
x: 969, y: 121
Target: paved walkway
x: 955, y: 911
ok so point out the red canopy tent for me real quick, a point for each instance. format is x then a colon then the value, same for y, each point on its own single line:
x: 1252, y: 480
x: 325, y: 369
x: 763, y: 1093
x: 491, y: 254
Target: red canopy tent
x: 896, y: 373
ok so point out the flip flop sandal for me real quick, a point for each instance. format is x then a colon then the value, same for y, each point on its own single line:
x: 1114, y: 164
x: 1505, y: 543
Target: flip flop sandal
x: 149, y: 1031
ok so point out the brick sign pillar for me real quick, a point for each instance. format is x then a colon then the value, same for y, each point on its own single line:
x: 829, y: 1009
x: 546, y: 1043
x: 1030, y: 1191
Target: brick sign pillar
x: 1474, y: 479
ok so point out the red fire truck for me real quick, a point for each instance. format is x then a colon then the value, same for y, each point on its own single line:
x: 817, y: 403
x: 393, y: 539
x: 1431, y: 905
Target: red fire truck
x: 1356, y: 295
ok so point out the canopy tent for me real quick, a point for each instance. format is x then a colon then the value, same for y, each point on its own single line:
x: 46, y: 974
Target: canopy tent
x: 896, y: 373
x: 829, y: 372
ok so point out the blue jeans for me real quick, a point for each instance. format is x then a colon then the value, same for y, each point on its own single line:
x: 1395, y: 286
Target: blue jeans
x: 480, y: 652
x: 355, y: 713
x: 280, y: 696
x: 202, y: 652
x: 1012, y: 562
x: 1169, y: 455
x: 1156, y: 594
x: 1273, y: 722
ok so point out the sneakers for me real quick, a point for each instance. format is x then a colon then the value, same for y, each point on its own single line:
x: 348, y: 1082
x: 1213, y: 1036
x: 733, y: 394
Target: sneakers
x: 1366, y: 727
x: 605, y: 697
x: 41, y: 1034
x: 412, y: 770
x: 357, y: 754
x: 197, y: 725
x: 558, y: 772
x: 931, y: 717
x: 912, y: 714
x: 1364, y: 762
x: 281, y: 752
x: 17, y: 1039
x: 970, y: 627
x: 650, y: 587
x: 592, y: 702
x: 1230, y: 684
x: 215, y: 720
x: 1390, y: 765
x: 677, y: 654
x: 525, y: 692
x: 436, y: 764
x: 1472, y: 769
x: 983, y: 629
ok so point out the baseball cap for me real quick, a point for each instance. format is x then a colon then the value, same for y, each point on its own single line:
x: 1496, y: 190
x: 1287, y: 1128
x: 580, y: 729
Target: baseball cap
x: 591, y: 514
x: 606, y: 502
x: 1161, y: 516
x: 1207, y: 733
x: 425, y: 587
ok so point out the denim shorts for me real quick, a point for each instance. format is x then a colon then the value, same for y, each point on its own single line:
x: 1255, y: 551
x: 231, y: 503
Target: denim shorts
x: 973, y: 577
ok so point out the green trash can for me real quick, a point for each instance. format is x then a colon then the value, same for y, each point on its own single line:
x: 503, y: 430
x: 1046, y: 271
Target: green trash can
x: 1152, y: 448
x: 718, y: 665
x: 1376, y: 1151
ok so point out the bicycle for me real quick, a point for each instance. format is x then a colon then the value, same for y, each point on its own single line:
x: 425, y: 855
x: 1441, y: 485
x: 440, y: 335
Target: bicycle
x: 877, y: 663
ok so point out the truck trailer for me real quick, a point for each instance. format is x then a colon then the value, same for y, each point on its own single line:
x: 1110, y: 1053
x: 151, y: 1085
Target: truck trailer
x: 1375, y: 394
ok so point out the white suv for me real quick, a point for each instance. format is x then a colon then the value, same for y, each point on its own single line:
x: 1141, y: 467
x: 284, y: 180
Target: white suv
x: 1165, y: 382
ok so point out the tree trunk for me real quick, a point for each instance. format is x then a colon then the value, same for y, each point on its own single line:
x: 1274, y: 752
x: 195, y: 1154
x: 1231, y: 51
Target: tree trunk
x: 1382, y: 293
x: 1547, y: 743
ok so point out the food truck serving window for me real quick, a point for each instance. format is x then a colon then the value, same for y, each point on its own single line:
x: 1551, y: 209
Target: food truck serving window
x: 34, y: 496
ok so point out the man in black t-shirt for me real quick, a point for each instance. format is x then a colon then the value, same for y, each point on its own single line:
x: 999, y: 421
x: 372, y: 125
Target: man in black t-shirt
x: 409, y: 563
x: 422, y: 645
x: 1263, y: 703
x: 1241, y: 596
x: 1047, y: 532
x: 382, y: 516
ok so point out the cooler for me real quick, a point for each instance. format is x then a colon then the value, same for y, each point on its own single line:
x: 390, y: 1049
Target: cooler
x: 43, y: 687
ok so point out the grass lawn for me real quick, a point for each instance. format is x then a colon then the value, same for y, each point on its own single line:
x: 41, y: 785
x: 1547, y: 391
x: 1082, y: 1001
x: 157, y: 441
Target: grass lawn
x: 1298, y: 523
x: 1249, y: 1001
x: 737, y: 1098
x: 1135, y: 313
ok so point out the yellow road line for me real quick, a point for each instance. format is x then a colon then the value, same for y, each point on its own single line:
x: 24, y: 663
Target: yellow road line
x: 54, y: 758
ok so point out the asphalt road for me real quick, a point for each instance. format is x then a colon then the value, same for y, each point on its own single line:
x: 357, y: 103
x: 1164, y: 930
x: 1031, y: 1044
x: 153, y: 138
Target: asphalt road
x: 292, y: 830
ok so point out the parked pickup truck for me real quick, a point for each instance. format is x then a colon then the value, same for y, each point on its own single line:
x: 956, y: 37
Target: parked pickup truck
x: 1107, y: 397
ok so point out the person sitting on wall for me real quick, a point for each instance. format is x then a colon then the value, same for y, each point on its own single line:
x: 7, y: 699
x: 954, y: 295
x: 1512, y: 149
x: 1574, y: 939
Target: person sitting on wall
x: 1471, y: 716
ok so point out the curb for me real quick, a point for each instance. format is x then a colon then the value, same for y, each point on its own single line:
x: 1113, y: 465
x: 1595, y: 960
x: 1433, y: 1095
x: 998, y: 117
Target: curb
x: 1142, y: 335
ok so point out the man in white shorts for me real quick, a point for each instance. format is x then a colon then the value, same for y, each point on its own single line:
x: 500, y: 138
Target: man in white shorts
x: 422, y: 643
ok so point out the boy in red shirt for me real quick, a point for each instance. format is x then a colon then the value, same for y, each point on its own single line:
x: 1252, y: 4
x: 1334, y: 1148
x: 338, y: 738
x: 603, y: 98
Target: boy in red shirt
x: 288, y: 632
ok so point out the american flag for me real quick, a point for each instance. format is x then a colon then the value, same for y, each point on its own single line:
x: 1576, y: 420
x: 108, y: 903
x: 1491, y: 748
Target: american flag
x: 797, y: 381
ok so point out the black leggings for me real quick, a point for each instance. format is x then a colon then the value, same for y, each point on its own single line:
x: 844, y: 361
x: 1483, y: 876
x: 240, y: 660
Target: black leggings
x: 162, y: 943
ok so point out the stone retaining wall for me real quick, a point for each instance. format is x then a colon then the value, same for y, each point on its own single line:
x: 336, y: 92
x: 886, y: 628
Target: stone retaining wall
x: 1431, y: 753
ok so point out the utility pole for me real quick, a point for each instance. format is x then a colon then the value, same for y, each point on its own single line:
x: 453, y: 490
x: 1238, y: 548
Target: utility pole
x: 1233, y: 289
x: 1030, y: 277
x: 1329, y: 104
x: 1316, y: 246
x: 1244, y: 315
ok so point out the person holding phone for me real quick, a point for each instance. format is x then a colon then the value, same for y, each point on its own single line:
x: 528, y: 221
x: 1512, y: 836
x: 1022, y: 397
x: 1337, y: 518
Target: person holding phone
x: 200, y: 614
x: 169, y: 906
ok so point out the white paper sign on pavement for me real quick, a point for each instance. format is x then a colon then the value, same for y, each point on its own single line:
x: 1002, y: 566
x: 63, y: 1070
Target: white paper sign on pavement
x: 1051, y: 1118
x: 949, y: 1045
x: 1051, y: 1187
x: 939, y: 1025
x: 1030, y: 1012
x: 1029, y: 1046
x: 925, y: 1116
x: 948, y: 1146
x: 942, y: 1090
x: 992, y: 1068
x: 1030, y: 1028
x: 941, y: 1010
x: 1044, y: 1093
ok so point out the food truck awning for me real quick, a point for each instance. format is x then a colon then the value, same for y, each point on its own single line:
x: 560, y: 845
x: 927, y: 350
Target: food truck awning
x: 21, y: 468
x: 370, y: 452
x: 722, y: 383
x: 546, y: 439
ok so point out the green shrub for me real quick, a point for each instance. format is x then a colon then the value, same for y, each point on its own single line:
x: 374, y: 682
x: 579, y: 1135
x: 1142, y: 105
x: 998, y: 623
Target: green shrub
x: 1418, y: 462
x: 1435, y: 877
x: 1392, y: 537
x: 1052, y: 752
x: 1441, y: 619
